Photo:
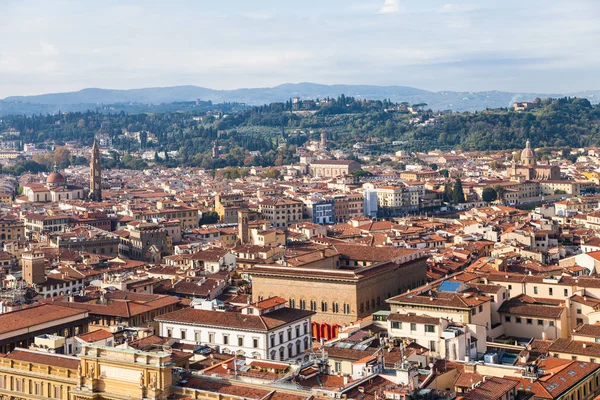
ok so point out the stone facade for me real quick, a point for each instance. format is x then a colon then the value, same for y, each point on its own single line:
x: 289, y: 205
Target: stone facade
x: 338, y: 296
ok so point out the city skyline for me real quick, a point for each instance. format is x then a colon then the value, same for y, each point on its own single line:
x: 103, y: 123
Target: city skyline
x: 439, y: 45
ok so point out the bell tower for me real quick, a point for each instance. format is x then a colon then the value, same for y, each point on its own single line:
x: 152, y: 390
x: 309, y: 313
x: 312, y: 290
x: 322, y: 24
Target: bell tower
x: 95, y: 174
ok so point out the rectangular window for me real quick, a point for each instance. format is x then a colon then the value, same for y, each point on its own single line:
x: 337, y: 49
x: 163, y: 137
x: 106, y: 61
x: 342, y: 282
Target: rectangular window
x: 255, y: 343
x: 481, y: 308
x: 211, y: 338
x: 197, y: 336
x: 432, y: 345
x: 535, y: 290
x: 579, y: 311
x: 566, y: 292
x: 225, y: 339
x: 169, y: 332
x: 551, y: 323
x: 338, y: 366
x: 429, y: 328
x: 396, y: 325
x: 518, y: 320
x: 507, y: 318
x: 413, y: 326
x: 182, y: 335
x: 529, y: 321
x: 540, y: 322
x: 550, y: 291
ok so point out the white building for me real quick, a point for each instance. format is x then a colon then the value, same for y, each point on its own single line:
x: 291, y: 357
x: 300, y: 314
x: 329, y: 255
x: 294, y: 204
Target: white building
x: 444, y: 339
x: 263, y: 330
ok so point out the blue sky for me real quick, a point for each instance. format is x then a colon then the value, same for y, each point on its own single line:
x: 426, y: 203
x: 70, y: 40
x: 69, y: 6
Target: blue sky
x: 546, y: 46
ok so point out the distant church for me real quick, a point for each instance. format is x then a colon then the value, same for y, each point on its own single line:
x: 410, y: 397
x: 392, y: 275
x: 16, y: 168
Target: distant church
x: 55, y: 189
x: 95, y: 174
x: 529, y: 170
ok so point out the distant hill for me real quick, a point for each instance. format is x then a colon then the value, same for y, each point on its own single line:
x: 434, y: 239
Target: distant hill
x: 445, y: 100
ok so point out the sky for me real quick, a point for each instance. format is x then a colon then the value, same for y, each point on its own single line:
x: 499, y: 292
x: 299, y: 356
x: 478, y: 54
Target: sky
x: 548, y: 46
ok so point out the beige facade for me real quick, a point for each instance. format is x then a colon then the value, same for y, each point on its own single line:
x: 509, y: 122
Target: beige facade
x: 333, y: 168
x: 338, y: 296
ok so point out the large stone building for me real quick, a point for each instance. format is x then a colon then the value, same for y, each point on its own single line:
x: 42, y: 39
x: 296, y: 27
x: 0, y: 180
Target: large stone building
x: 144, y: 241
x: 333, y: 168
x: 227, y: 206
x: 280, y: 212
x: 11, y: 229
x: 85, y: 238
x: 341, y: 295
x: 19, y: 328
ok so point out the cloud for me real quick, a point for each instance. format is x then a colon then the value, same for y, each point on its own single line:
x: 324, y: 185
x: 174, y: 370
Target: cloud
x: 450, y: 8
x: 390, y: 7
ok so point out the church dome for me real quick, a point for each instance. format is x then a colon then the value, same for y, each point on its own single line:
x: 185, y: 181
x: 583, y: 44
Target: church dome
x: 55, y: 178
x: 527, y: 155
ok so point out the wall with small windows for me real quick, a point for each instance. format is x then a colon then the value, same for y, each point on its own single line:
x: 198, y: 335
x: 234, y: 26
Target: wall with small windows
x: 536, y: 327
x: 281, y: 344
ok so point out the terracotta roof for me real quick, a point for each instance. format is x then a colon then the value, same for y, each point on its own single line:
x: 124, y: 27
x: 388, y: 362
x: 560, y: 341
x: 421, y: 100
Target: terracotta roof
x: 95, y: 336
x: 492, y: 389
x: 37, y: 315
x: 55, y: 360
x: 236, y: 320
x: 530, y: 307
x: 587, y: 330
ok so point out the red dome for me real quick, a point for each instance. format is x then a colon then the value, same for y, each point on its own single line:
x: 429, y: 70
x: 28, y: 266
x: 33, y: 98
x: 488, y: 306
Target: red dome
x: 55, y: 178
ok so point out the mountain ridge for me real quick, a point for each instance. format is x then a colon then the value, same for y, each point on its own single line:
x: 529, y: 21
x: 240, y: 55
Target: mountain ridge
x: 439, y: 100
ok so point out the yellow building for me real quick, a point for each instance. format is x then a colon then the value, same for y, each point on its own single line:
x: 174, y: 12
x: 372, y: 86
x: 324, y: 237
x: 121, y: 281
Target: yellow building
x: 98, y: 373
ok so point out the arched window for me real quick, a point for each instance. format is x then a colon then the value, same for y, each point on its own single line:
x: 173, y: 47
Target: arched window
x: 281, y: 353
x: 323, y: 306
x: 273, y: 354
x: 292, y: 303
x: 335, y: 307
x: 313, y: 305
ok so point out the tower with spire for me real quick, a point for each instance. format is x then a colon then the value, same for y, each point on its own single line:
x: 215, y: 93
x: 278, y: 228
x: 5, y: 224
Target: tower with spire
x: 95, y: 174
